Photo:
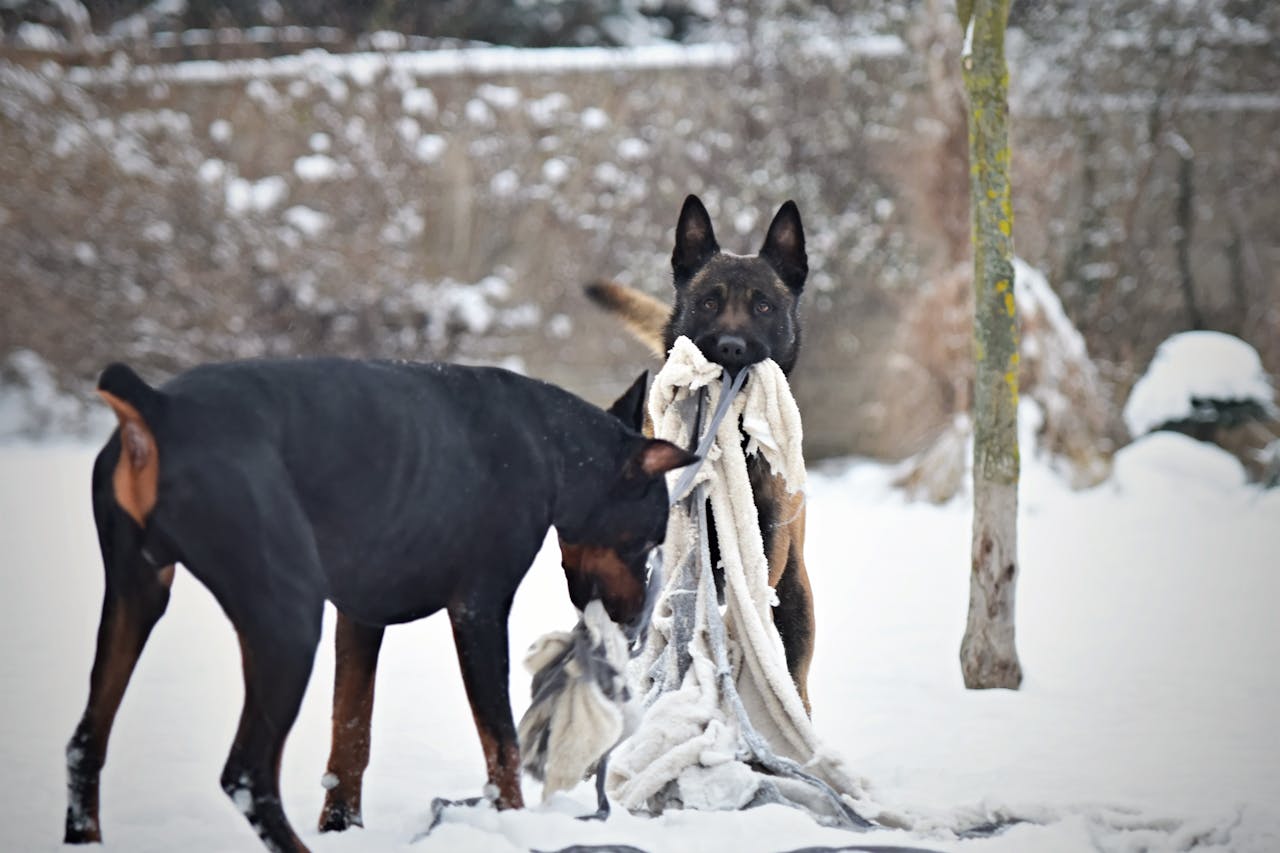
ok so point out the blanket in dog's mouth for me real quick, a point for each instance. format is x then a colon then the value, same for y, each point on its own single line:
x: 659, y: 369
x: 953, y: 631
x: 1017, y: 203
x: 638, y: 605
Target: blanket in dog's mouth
x: 724, y: 726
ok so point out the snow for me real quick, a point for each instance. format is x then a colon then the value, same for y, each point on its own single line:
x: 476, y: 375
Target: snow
x: 315, y: 167
x: 408, y: 129
x: 502, y: 97
x: 1191, y: 366
x: 220, y: 130
x: 1035, y: 297
x: 632, y: 148
x: 479, y: 113
x: 158, y: 232
x: 306, y: 220
x: 260, y: 196
x: 1145, y: 626
x: 419, y: 102
x: 504, y: 183
x: 545, y: 109
x: 429, y: 148
x: 37, y: 36
x: 211, y: 171
x: 362, y: 68
x: 32, y: 404
x: 555, y: 170
x: 594, y: 118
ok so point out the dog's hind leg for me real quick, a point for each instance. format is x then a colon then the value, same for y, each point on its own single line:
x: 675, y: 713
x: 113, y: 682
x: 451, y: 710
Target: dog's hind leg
x: 277, y: 657
x: 248, y: 540
x: 355, y: 664
x: 480, y: 634
x: 136, y: 594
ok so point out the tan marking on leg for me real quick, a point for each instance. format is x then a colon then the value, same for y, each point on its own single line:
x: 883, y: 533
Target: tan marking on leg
x: 122, y: 633
x: 137, y: 475
x: 355, y: 668
x: 787, y: 555
x: 502, y: 764
x: 801, y: 674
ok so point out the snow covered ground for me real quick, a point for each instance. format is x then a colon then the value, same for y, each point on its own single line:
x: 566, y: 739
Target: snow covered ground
x: 1147, y: 629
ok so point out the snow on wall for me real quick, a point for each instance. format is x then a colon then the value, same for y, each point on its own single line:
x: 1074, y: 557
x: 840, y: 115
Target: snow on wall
x: 1195, y: 365
x: 362, y: 68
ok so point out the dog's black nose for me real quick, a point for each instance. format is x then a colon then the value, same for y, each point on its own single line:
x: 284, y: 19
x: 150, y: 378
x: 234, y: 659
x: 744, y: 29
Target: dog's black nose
x: 731, y: 349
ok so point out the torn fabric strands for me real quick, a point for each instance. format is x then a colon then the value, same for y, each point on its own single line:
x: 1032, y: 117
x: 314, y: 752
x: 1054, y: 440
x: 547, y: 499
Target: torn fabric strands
x: 724, y: 726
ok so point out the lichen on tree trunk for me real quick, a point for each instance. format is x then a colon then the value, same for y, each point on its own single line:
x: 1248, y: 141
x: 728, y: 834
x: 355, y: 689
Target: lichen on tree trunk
x: 988, y: 654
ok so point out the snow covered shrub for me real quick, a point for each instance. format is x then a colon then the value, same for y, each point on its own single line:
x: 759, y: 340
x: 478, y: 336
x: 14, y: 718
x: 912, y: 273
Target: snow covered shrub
x: 1199, y: 378
x: 32, y: 405
x: 1210, y: 386
x: 929, y: 383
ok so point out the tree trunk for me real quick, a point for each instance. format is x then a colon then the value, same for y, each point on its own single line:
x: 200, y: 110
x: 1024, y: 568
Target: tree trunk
x: 988, y: 656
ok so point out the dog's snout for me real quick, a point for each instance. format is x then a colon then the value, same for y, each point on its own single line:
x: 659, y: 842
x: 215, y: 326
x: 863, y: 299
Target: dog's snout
x: 731, y: 348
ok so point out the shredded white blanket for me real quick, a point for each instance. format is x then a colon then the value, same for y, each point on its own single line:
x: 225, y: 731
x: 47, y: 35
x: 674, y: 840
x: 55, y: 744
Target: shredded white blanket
x: 580, y: 700
x: 701, y: 743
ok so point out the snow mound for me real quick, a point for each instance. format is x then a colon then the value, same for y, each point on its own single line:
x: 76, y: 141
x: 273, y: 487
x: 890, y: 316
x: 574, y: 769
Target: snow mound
x: 1192, y: 367
x: 1170, y: 463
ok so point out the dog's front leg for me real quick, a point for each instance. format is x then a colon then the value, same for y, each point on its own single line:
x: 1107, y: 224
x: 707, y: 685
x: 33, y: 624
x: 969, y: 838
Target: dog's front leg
x: 480, y: 634
x: 356, y: 648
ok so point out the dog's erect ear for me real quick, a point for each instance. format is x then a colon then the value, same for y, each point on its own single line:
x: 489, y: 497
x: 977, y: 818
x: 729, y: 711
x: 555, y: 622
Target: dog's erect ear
x: 784, y: 247
x: 695, y: 241
x: 629, y: 408
x: 657, y: 456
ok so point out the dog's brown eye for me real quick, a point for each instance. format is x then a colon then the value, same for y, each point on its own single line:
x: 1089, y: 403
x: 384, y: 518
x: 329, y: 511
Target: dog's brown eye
x: 710, y: 303
x: 763, y: 307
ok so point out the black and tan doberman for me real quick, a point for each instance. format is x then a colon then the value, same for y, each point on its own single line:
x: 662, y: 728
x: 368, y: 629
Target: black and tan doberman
x: 392, y: 490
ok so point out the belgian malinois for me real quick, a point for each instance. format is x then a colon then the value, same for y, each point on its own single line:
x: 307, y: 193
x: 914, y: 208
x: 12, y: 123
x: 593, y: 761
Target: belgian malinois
x: 738, y: 310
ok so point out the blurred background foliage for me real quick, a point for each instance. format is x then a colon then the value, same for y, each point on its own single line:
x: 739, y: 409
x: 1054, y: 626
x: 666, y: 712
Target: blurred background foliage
x: 364, y: 179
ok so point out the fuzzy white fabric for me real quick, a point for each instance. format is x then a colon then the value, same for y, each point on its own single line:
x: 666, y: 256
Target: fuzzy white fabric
x: 580, y: 722
x: 691, y: 744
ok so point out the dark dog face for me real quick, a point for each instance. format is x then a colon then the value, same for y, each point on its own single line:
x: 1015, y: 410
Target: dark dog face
x: 738, y: 309
x: 606, y: 556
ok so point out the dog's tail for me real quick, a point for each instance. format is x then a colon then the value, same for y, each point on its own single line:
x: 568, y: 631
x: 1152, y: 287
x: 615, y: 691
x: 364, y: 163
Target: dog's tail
x: 138, y: 407
x: 643, y: 316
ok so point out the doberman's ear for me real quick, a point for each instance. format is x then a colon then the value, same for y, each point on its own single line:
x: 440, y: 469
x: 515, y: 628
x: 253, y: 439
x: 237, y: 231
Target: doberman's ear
x: 695, y: 241
x: 784, y: 247
x: 629, y: 408
x: 656, y: 457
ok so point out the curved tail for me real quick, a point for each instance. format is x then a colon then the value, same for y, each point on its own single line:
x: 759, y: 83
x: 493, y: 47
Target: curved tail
x: 138, y: 406
x: 643, y: 316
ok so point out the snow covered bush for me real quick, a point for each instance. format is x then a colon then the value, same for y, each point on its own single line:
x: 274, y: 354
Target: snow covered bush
x: 1212, y: 387
x: 1207, y: 378
x: 33, y: 406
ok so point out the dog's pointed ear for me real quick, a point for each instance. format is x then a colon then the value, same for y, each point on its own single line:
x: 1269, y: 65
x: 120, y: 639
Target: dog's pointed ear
x: 656, y: 457
x: 784, y: 247
x: 695, y: 241
x: 629, y: 408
